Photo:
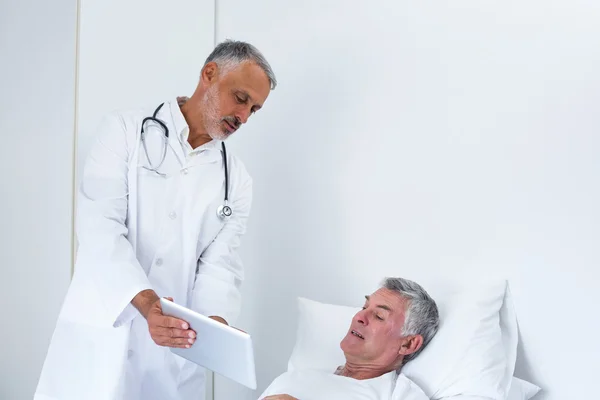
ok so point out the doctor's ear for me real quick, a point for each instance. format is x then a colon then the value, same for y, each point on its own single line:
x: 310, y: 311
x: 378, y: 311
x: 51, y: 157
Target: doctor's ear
x: 410, y: 344
x: 209, y: 72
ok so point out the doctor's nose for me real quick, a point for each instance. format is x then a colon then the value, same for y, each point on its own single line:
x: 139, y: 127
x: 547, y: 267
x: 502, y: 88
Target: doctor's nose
x: 242, y: 116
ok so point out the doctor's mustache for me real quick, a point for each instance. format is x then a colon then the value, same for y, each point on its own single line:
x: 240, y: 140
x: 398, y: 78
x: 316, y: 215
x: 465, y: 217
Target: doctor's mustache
x: 235, y: 122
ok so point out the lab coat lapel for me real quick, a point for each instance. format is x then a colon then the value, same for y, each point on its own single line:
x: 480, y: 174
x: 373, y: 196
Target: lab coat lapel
x: 206, y: 193
x: 132, y: 180
x: 177, y: 124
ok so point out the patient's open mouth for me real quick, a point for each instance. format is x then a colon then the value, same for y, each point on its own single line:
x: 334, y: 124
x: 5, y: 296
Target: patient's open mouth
x: 358, y: 335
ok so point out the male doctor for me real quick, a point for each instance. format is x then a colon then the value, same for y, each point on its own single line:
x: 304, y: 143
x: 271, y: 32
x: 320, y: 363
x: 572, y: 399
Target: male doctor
x: 151, y: 224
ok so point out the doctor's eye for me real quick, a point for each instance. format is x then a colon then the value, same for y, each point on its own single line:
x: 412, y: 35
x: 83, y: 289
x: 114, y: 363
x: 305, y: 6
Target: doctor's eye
x: 240, y: 100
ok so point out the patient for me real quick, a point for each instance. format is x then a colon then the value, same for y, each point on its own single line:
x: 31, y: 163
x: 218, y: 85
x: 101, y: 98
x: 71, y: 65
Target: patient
x: 394, y: 326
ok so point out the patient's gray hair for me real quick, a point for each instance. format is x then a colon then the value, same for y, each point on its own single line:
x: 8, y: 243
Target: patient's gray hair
x: 231, y: 53
x: 422, y: 316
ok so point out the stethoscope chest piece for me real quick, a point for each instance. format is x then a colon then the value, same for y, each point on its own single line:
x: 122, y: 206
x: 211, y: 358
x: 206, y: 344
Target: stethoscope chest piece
x: 224, y: 211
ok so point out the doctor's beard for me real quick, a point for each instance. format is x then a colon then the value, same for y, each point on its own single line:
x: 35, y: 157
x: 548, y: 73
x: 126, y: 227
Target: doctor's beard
x: 212, y: 117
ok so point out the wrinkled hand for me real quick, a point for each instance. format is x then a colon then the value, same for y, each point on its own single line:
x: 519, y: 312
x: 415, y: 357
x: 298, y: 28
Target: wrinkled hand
x: 280, y: 397
x: 168, y: 331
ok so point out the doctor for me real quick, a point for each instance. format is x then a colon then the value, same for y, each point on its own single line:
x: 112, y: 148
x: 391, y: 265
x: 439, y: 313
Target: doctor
x: 161, y: 210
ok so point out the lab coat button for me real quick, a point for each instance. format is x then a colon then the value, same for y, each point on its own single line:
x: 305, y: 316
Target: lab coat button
x: 173, y: 215
x: 159, y: 262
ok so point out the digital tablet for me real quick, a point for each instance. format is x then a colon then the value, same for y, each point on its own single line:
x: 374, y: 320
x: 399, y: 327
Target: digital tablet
x: 218, y: 347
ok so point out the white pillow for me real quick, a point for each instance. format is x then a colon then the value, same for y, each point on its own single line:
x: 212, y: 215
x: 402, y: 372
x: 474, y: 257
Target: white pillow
x: 522, y: 390
x: 519, y: 390
x: 321, y: 327
x: 474, y: 352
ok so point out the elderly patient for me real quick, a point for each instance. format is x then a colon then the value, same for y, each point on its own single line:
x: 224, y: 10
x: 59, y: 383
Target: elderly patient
x: 394, y: 326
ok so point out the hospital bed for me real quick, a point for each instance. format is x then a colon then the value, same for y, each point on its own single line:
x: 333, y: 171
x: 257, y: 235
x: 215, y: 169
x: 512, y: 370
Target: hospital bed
x: 472, y: 357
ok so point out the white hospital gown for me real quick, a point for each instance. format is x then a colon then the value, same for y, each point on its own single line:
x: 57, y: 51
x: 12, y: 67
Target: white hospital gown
x: 322, y: 385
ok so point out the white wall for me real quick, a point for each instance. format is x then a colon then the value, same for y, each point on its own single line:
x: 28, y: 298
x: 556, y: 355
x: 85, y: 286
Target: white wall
x: 427, y: 141
x: 37, y: 106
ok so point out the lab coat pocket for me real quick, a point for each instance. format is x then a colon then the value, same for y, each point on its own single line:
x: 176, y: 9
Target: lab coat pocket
x: 169, y: 168
x: 156, y: 187
x: 155, y: 178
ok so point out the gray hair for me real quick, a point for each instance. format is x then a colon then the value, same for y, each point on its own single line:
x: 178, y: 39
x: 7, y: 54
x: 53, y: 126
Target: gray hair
x: 231, y: 53
x: 422, y: 316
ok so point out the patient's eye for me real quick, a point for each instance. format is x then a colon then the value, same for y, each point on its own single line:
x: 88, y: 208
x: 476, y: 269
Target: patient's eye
x: 379, y: 317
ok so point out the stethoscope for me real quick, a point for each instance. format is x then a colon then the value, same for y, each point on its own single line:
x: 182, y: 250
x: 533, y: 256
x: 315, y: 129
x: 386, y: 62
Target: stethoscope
x: 224, y: 211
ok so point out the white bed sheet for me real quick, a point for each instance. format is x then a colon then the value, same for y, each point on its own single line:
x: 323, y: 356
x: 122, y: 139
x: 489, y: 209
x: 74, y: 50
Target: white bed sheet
x: 321, y: 385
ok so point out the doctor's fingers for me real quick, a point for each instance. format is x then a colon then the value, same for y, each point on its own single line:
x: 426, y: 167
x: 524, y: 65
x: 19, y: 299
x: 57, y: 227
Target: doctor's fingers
x: 173, y: 342
x: 172, y: 333
x: 168, y: 322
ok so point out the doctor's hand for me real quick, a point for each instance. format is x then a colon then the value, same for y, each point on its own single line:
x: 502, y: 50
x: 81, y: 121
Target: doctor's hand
x: 280, y: 397
x: 169, y: 331
x: 164, y: 330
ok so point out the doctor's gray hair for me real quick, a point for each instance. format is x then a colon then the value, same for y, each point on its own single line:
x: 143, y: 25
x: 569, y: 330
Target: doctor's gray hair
x: 231, y: 53
x: 422, y: 316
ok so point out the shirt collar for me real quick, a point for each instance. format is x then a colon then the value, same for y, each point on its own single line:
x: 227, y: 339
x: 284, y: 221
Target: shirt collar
x: 181, y: 126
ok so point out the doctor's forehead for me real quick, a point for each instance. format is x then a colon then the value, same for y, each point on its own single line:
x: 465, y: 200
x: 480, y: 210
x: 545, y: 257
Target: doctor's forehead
x: 250, y: 78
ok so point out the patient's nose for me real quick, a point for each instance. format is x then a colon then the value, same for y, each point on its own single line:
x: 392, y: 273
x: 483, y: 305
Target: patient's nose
x: 361, y: 317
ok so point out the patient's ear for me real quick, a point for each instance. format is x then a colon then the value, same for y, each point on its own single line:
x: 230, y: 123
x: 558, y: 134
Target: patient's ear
x: 410, y: 344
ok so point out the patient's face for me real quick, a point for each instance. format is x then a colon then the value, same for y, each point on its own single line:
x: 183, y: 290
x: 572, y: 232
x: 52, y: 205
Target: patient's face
x: 374, y: 337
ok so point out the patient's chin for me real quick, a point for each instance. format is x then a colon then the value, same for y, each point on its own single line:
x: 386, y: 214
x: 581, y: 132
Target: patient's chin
x: 351, y: 342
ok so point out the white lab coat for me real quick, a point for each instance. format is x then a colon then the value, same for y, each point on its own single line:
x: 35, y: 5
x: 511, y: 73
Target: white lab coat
x: 137, y: 230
